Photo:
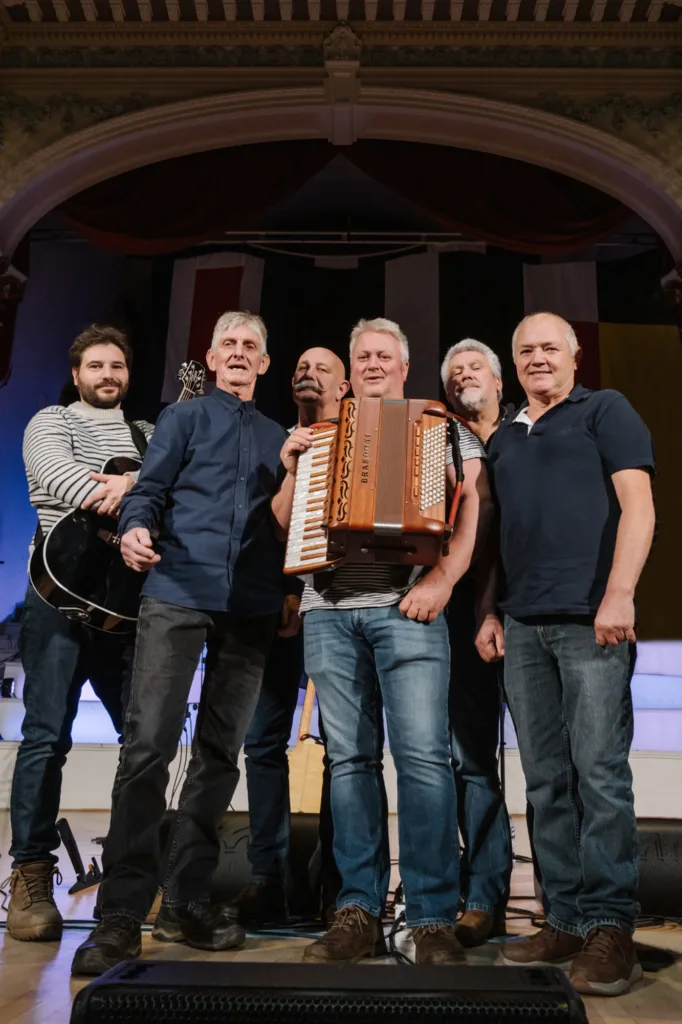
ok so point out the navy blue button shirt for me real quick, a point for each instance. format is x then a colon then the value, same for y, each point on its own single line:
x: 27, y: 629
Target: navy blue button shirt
x: 558, y: 508
x: 209, y: 474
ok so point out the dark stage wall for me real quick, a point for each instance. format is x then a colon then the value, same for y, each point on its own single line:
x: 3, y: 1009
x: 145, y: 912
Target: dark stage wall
x: 480, y: 295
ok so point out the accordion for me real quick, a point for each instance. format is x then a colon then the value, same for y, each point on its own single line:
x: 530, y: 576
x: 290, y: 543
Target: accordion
x: 372, y: 488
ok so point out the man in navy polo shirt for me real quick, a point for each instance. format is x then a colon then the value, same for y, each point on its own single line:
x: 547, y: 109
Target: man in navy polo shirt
x: 571, y: 475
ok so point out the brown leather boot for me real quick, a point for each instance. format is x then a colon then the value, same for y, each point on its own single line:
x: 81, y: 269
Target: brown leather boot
x: 474, y: 928
x: 32, y: 915
x: 548, y: 947
x: 607, y: 965
x: 353, y: 936
x: 437, y: 944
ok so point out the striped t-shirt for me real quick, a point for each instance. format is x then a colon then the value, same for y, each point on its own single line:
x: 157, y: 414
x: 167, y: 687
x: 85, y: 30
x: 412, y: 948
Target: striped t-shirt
x: 63, y: 445
x: 374, y: 586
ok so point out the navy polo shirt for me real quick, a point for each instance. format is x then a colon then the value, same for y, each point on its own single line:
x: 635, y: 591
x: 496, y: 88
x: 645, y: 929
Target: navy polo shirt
x: 557, y: 504
x: 208, y: 476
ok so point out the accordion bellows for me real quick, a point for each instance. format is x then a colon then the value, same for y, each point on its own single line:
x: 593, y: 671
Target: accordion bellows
x: 372, y: 488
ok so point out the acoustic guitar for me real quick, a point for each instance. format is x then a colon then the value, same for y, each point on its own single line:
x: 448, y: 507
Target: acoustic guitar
x: 78, y: 569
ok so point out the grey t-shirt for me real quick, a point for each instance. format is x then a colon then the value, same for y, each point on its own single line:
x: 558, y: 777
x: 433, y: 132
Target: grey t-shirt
x: 374, y: 586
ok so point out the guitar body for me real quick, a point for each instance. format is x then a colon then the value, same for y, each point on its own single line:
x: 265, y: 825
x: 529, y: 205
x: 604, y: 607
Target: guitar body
x: 78, y: 569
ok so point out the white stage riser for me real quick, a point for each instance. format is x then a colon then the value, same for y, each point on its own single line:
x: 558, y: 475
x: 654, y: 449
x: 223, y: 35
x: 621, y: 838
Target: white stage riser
x: 90, y: 769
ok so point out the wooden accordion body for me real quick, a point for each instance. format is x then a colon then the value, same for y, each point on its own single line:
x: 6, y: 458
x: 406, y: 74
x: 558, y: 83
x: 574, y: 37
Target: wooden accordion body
x: 373, y: 488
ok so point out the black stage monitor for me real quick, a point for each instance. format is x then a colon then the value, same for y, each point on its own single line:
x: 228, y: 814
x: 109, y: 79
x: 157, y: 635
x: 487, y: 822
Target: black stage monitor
x: 275, y: 993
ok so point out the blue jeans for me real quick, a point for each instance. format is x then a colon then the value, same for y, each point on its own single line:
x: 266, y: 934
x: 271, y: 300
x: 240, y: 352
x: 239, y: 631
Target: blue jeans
x: 475, y: 699
x: 572, y: 707
x: 58, y: 656
x: 346, y: 652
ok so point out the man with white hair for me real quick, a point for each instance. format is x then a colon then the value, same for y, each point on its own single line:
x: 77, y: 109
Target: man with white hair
x: 379, y: 625
x: 472, y: 379
x: 215, y: 578
x: 571, y: 475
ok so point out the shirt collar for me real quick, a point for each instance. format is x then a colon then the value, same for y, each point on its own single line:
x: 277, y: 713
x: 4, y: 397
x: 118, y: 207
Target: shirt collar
x: 233, y: 403
x: 578, y: 394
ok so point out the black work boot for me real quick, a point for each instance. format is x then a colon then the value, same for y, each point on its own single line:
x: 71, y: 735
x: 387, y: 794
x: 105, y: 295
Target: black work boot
x: 115, y: 939
x: 260, y: 904
x: 202, y: 925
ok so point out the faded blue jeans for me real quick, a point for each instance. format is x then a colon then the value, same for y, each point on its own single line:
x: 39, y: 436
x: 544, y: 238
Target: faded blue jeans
x: 346, y: 651
x: 572, y: 707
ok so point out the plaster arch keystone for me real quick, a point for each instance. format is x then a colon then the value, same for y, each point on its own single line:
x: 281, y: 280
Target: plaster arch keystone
x: 80, y: 159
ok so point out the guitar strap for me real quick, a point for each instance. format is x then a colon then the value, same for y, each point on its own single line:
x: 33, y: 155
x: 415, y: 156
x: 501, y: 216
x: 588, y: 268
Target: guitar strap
x: 139, y: 440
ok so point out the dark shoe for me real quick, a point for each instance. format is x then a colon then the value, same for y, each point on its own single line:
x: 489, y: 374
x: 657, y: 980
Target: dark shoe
x: 168, y: 924
x: 32, y: 914
x: 546, y: 948
x: 607, y: 965
x: 437, y: 944
x: 260, y: 904
x: 353, y: 936
x: 474, y: 928
x: 115, y: 939
x: 212, y: 926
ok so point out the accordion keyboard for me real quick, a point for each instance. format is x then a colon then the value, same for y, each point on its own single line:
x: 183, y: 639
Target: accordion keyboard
x: 307, y: 538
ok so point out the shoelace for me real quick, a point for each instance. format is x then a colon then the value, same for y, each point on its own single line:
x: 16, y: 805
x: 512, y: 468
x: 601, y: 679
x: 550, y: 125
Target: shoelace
x: 600, y: 943
x: 114, y: 930
x: 39, y: 888
x: 4, y: 889
x: 349, y: 917
x: 433, y: 929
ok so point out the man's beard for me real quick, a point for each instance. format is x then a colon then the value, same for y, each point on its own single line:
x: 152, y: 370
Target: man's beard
x: 471, y: 399
x: 93, y: 396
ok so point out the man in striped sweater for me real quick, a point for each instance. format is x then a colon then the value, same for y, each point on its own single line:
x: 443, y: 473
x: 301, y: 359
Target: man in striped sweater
x: 64, y: 450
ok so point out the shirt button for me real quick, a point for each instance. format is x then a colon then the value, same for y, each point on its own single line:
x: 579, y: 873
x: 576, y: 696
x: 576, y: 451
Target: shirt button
x: 242, y: 478
x: 240, y: 506
x: 245, y: 449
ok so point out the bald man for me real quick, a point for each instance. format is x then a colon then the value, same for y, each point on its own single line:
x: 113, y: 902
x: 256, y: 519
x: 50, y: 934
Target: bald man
x: 571, y: 474
x: 319, y: 383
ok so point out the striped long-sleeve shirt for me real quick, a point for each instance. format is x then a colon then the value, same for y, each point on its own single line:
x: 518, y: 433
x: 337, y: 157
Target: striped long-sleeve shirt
x: 63, y: 445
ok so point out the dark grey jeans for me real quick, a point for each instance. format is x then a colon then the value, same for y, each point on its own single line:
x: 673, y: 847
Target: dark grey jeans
x: 169, y: 642
x: 572, y: 707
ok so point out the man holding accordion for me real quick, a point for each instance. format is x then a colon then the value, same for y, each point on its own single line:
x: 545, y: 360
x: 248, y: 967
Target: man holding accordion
x: 381, y: 625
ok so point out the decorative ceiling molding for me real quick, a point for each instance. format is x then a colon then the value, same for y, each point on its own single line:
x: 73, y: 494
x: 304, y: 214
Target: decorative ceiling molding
x: 171, y: 84
x: 288, y: 33
x: 37, y: 11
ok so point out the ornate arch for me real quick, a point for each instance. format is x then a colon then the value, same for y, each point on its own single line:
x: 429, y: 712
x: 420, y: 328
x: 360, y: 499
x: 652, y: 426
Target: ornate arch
x: 342, y: 114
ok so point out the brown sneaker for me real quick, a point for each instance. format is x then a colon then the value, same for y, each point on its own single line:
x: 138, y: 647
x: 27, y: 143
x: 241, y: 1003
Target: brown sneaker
x: 437, y: 944
x: 32, y: 914
x: 547, y: 948
x: 474, y: 928
x: 607, y: 965
x: 353, y: 936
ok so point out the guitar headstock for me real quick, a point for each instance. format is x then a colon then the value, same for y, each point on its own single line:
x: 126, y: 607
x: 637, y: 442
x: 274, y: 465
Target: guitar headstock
x: 192, y: 376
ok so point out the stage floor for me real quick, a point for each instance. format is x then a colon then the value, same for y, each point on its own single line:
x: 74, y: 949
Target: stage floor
x: 36, y: 986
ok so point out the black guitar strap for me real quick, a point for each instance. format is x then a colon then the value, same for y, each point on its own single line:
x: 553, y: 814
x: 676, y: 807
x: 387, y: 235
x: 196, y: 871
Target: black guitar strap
x: 139, y: 440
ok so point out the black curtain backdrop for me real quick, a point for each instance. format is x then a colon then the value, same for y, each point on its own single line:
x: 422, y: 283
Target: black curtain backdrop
x: 168, y: 206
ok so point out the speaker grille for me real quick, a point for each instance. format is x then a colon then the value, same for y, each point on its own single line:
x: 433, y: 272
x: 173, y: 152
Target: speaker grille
x: 200, y: 1007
